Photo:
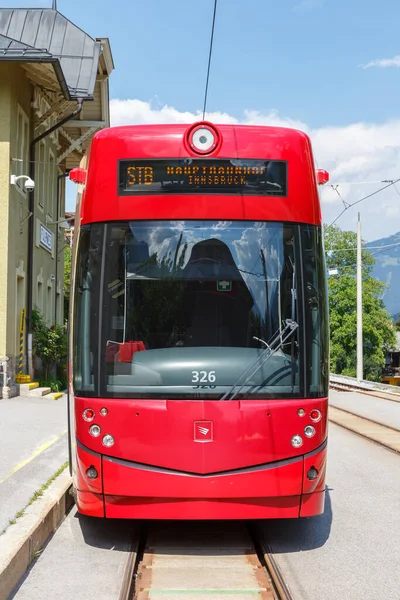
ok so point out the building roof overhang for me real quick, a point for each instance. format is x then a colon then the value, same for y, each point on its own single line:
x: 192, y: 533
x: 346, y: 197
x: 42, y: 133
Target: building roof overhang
x: 45, y: 36
x: 65, y: 65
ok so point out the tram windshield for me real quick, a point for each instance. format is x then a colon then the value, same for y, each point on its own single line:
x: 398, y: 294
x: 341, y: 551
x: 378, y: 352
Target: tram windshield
x: 190, y: 310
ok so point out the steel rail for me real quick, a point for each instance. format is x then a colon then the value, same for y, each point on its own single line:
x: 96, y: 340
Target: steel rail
x: 281, y: 589
x: 267, y: 560
x: 127, y: 589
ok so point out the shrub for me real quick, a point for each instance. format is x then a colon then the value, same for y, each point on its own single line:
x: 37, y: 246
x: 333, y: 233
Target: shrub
x: 50, y: 345
x: 55, y: 384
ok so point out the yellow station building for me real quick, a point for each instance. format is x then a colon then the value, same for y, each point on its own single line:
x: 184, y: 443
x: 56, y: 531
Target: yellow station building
x: 53, y: 97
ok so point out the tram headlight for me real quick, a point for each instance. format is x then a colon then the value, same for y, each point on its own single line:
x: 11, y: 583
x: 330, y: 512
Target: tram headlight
x: 309, y: 431
x: 301, y: 412
x: 108, y: 440
x: 203, y: 139
x: 88, y: 414
x: 94, y: 430
x: 103, y: 412
x: 297, y: 441
x: 315, y: 415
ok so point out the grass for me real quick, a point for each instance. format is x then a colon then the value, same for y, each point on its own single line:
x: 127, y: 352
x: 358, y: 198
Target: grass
x: 38, y: 494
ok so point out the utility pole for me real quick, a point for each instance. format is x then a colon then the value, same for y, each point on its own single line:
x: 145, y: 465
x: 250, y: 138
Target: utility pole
x: 360, y: 358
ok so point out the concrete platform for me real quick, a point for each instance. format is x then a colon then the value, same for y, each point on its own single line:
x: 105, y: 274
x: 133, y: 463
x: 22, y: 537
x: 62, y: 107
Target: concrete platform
x: 25, y: 388
x: 39, y: 391
x: 20, y: 543
x: 85, y: 560
x: 34, y: 446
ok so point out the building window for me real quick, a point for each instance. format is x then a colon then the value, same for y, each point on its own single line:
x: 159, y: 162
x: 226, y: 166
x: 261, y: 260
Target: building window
x: 21, y: 164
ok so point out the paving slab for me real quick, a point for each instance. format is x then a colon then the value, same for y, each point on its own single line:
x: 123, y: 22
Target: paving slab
x: 188, y: 576
x: 238, y: 595
x: 198, y: 558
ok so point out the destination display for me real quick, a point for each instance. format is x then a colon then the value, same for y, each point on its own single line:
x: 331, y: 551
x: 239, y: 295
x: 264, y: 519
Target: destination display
x: 202, y: 176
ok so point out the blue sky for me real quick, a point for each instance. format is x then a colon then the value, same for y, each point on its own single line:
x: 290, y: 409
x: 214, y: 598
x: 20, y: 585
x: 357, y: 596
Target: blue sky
x: 300, y: 57
x: 289, y: 61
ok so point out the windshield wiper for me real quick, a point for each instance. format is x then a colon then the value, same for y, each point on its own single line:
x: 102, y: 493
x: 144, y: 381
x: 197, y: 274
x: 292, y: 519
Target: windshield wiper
x: 276, y: 342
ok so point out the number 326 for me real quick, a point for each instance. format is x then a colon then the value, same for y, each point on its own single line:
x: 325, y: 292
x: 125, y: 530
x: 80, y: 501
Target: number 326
x: 203, y: 377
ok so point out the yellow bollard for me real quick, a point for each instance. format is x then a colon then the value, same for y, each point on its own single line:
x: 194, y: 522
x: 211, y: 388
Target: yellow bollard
x: 20, y: 377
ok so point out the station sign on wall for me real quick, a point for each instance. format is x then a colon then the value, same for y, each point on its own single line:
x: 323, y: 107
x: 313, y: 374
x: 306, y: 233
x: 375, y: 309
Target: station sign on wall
x: 44, y: 237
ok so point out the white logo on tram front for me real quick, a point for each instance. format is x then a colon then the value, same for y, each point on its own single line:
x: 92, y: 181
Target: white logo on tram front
x: 203, y: 431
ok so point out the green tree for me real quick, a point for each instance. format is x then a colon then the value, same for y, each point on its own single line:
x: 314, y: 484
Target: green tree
x: 67, y: 279
x: 378, y: 334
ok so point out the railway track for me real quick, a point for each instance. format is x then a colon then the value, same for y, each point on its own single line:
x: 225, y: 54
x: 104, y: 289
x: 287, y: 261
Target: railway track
x: 344, y: 386
x: 364, y: 426
x: 174, y: 560
x: 372, y: 430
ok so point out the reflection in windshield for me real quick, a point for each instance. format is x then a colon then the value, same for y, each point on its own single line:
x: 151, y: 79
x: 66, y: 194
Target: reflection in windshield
x: 252, y: 256
x: 186, y: 306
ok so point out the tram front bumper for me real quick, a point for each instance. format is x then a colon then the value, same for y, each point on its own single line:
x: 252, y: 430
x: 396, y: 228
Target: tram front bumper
x: 128, y: 490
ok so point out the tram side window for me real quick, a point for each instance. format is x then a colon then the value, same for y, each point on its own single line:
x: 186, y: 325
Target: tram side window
x: 315, y: 298
x: 86, y: 310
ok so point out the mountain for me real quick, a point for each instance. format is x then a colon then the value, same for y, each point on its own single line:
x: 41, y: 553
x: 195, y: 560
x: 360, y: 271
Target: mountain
x: 387, y: 269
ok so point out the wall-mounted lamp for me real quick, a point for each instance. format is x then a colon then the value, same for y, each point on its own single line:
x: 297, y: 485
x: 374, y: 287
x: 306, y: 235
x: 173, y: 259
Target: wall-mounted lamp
x: 29, y: 184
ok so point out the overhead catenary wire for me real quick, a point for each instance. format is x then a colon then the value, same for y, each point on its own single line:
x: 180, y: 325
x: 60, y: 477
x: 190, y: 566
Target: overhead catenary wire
x: 365, y: 247
x: 337, y: 183
x: 392, y: 183
x: 209, y: 59
x: 396, y: 188
x: 335, y: 189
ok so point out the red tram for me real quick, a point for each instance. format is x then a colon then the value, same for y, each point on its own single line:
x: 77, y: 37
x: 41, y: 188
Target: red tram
x: 199, y: 326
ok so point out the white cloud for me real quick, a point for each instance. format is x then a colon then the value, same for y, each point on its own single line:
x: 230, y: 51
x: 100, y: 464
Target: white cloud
x: 382, y: 63
x: 353, y: 154
x: 136, y: 111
